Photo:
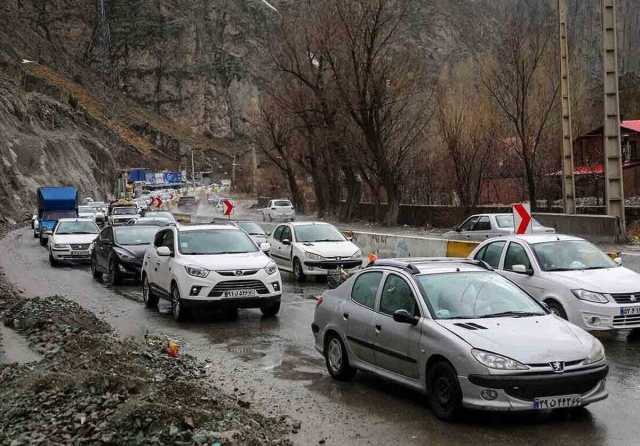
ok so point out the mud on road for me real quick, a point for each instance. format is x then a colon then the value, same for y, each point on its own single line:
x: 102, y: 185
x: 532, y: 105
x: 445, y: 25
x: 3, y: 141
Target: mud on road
x: 272, y: 364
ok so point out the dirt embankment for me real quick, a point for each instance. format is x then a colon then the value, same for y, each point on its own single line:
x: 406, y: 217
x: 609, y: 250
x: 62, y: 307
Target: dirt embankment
x: 90, y: 387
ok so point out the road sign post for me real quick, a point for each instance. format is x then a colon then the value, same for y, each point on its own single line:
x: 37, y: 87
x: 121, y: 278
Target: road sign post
x: 228, y: 207
x: 522, y: 220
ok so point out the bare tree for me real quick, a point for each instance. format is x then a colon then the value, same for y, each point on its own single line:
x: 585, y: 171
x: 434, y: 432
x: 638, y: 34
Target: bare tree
x: 518, y: 76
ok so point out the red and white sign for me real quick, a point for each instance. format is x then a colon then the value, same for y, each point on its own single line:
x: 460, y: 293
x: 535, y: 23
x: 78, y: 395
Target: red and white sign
x: 156, y: 202
x: 228, y: 207
x: 522, y: 221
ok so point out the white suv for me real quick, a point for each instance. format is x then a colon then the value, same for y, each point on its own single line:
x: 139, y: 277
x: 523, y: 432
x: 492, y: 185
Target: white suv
x: 210, y: 264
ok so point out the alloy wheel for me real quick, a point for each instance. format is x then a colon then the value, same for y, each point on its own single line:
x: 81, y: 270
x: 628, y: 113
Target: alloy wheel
x: 335, y: 355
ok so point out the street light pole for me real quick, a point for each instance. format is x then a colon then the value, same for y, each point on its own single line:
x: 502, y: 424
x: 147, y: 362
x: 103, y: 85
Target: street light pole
x: 193, y: 170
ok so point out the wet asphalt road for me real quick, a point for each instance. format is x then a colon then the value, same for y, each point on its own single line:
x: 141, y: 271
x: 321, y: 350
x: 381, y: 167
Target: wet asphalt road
x: 272, y: 363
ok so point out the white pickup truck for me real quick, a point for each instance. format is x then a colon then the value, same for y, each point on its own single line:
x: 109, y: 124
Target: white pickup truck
x: 280, y: 209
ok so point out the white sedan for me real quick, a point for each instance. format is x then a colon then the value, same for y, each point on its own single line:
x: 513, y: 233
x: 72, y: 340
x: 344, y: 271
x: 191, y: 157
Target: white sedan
x: 573, y: 277
x: 312, y: 249
x: 71, y: 240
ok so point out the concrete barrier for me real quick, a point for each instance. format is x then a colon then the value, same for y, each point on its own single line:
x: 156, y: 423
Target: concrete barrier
x: 387, y: 245
x: 596, y: 228
x: 631, y: 260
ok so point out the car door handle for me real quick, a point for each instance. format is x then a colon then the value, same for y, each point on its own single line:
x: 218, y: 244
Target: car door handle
x: 378, y: 328
x: 345, y: 315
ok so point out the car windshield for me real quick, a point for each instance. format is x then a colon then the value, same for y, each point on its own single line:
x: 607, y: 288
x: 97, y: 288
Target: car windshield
x: 130, y: 210
x: 506, y: 221
x: 57, y: 215
x: 318, y: 233
x: 474, y: 295
x: 76, y: 227
x: 134, y: 235
x: 86, y: 210
x: 282, y: 203
x: 570, y: 255
x: 251, y: 228
x: 215, y: 241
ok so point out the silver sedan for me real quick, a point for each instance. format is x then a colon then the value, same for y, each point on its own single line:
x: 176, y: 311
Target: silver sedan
x: 460, y: 333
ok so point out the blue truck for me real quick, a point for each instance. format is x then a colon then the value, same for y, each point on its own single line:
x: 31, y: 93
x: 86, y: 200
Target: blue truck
x: 55, y: 203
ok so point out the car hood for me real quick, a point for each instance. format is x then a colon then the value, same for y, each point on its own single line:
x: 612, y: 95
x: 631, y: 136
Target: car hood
x: 329, y: 249
x: 135, y: 250
x: 525, y: 339
x: 249, y: 260
x: 74, y: 238
x: 610, y: 280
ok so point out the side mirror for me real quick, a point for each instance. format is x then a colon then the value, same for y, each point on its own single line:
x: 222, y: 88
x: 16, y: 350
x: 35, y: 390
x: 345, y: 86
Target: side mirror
x: 286, y: 242
x: 403, y: 317
x: 163, y: 251
x: 265, y: 247
x: 521, y: 269
x: 458, y: 229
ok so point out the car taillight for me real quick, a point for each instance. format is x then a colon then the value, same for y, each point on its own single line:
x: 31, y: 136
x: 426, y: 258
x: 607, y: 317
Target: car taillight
x: 319, y: 301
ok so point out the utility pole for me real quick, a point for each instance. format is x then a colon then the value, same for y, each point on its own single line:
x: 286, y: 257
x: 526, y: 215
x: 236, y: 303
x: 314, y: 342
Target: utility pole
x: 568, y: 179
x: 233, y: 173
x: 193, y: 170
x: 254, y: 170
x: 614, y: 187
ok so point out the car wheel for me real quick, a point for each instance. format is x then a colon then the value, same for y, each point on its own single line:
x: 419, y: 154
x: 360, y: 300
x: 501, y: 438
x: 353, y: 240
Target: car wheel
x: 114, y: 273
x: 270, y: 310
x: 35, y: 234
x: 150, y: 299
x: 52, y: 261
x: 43, y: 241
x: 177, y: 306
x: 556, y: 308
x: 445, y: 396
x: 94, y: 269
x: 337, y: 360
x: 297, y: 270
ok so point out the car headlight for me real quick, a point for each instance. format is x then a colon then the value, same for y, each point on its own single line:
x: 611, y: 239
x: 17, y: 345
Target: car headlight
x: 495, y: 361
x: 196, y: 271
x: 271, y: 268
x: 596, y: 354
x: 61, y: 246
x: 590, y: 296
x: 125, y: 255
x: 357, y: 255
x: 312, y: 256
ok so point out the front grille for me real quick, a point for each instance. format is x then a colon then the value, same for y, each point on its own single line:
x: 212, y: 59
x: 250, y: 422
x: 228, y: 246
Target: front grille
x: 246, y: 272
x: 626, y: 321
x: 229, y: 285
x: 530, y: 391
x: 566, y: 364
x: 627, y: 298
x: 80, y: 246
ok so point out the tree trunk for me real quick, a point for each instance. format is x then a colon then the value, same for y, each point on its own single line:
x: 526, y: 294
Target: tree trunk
x: 393, y: 206
x: 531, y: 187
x: 354, y: 193
x: 296, y: 193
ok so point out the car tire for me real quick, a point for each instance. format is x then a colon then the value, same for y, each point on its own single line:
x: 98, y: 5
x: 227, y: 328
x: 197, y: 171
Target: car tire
x: 43, y: 241
x: 52, y: 261
x: 556, y: 308
x: 114, y: 273
x: 35, y: 234
x: 270, y: 310
x: 177, y: 306
x: 336, y: 359
x: 445, y: 396
x: 148, y: 296
x: 97, y: 275
x: 298, y: 273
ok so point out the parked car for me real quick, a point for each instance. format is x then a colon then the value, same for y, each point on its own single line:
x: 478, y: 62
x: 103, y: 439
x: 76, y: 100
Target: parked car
x: 573, y: 277
x: 312, y: 249
x: 460, y: 333
x: 119, y: 251
x: 71, y: 240
x: 484, y: 226
x: 252, y: 228
x: 279, y: 210
x: 217, y: 265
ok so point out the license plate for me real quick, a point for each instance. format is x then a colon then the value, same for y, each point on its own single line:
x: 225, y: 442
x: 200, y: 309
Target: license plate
x: 79, y: 253
x: 557, y: 402
x: 239, y: 293
x: 627, y: 311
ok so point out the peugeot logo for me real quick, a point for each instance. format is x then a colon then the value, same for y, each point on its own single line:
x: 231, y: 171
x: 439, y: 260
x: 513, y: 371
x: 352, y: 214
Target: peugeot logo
x: 633, y: 298
x: 239, y: 273
x: 557, y: 366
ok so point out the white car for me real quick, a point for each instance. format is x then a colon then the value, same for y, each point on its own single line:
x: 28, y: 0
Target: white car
x: 485, y: 226
x: 216, y: 265
x: 279, y: 210
x: 87, y: 211
x: 71, y: 240
x: 573, y: 277
x: 313, y: 249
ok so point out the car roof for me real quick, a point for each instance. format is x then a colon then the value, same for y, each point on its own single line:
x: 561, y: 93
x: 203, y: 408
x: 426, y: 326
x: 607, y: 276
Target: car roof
x: 206, y: 226
x: 120, y: 227
x: 533, y: 239
x: 302, y: 223
x: 76, y: 219
x: 432, y: 265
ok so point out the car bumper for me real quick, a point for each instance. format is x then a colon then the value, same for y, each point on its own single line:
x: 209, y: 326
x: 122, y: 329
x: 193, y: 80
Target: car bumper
x: 131, y: 269
x: 66, y: 256
x: 518, y: 392
x: 322, y: 268
x: 599, y: 317
x: 213, y: 291
x: 255, y: 302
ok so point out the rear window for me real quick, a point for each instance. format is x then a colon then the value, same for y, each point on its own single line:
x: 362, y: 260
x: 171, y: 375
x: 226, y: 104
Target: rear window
x: 282, y: 203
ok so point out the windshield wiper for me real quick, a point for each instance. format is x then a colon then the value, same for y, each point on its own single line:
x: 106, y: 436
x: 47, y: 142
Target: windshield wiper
x: 510, y: 314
